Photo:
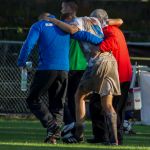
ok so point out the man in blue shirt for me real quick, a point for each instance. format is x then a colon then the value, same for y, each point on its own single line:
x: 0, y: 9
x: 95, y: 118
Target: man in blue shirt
x: 51, y: 74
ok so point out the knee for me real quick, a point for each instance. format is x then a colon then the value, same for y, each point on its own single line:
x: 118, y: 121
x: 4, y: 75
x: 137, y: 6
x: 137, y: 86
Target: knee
x: 105, y: 106
x: 78, y: 97
x: 109, y: 107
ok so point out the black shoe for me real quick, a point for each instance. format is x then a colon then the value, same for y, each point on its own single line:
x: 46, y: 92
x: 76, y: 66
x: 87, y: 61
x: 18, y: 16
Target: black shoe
x: 69, y: 140
x: 68, y: 130
x: 79, y: 129
x: 80, y: 140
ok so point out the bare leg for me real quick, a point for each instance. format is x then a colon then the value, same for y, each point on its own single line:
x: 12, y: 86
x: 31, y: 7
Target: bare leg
x: 80, y: 106
x: 106, y: 102
x: 80, y: 114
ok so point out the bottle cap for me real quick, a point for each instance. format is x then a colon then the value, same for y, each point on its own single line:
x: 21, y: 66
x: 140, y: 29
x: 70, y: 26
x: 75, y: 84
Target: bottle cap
x: 29, y: 65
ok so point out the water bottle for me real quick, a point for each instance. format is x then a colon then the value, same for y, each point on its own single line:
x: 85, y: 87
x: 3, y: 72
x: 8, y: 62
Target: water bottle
x: 29, y: 65
x: 24, y: 76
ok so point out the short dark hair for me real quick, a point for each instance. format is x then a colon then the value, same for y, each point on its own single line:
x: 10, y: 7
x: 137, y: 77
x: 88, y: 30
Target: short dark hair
x: 72, y: 3
x: 43, y: 14
x: 66, y: 16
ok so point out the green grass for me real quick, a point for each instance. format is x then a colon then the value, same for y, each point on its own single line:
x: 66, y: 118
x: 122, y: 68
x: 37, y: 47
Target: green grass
x: 29, y: 135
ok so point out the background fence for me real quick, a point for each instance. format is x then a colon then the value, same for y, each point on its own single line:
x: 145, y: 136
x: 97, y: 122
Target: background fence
x: 12, y: 99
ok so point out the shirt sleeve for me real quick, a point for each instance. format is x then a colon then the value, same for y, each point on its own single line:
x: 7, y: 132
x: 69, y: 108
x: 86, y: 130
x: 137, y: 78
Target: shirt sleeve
x: 28, y: 45
x: 108, y: 44
x: 87, y: 36
x: 89, y: 30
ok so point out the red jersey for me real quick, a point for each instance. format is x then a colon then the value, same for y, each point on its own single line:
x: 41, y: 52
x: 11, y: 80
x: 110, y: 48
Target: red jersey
x: 115, y: 41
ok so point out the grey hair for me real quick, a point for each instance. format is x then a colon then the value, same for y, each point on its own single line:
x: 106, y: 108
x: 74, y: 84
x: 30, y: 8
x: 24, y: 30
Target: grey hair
x: 99, y: 13
x: 102, y: 15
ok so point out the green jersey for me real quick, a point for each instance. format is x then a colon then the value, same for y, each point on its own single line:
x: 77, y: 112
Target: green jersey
x: 76, y: 56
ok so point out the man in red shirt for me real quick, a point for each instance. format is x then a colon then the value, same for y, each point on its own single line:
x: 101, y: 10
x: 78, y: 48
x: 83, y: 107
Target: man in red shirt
x: 115, y: 42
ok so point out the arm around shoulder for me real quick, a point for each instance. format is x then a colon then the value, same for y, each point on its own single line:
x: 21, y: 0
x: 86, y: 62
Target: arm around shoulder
x: 64, y: 26
x: 116, y: 22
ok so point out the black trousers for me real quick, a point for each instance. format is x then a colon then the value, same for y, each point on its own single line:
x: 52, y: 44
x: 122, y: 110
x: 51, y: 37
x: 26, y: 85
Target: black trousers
x: 69, y: 109
x: 55, y: 82
x: 97, y: 114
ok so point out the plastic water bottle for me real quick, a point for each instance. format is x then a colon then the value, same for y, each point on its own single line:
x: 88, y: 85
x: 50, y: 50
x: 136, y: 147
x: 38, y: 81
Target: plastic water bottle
x: 24, y: 76
x: 29, y: 65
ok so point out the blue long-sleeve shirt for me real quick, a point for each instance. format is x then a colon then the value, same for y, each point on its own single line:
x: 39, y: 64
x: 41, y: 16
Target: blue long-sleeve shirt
x: 53, y: 46
x: 87, y: 36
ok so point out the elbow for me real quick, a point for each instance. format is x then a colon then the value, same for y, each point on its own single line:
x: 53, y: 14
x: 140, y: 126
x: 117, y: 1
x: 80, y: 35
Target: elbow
x: 72, y: 31
x: 120, y: 22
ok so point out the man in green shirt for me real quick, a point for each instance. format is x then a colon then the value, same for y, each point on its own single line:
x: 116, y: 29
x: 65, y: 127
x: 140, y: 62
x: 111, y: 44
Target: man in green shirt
x: 77, y: 59
x: 78, y: 64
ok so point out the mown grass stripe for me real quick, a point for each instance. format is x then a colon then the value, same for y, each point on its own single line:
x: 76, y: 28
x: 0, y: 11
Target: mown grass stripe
x: 87, y: 146
x: 30, y: 138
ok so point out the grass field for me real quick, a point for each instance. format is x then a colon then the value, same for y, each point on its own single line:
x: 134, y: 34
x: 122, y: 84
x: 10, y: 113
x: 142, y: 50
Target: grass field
x: 29, y: 135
